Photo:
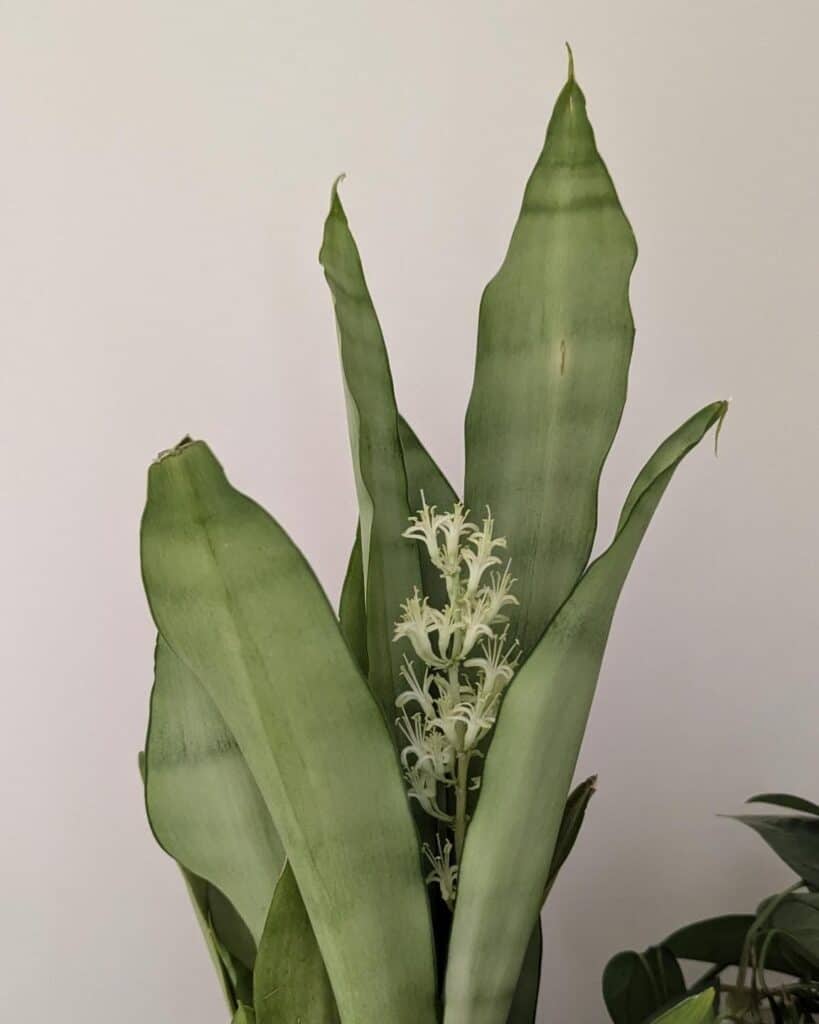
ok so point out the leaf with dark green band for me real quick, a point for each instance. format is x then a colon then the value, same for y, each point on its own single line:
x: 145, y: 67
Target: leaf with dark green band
x: 290, y: 982
x: 511, y: 840
x: 391, y: 564
x: 244, y: 1015
x: 555, y: 336
x: 237, y: 603
x: 203, y: 804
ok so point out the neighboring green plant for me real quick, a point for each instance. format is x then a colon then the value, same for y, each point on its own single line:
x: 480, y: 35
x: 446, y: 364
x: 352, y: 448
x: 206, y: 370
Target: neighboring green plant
x: 781, y: 937
x: 272, y: 766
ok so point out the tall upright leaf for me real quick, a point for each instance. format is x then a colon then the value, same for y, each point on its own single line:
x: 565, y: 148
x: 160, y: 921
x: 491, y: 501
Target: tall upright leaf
x: 391, y: 566
x: 530, y: 763
x: 555, y: 336
x: 203, y: 804
x: 237, y: 603
x: 290, y: 983
x: 424, y: 476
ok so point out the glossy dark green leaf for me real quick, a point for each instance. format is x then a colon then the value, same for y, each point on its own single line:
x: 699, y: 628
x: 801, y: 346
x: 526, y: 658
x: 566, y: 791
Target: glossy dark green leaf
x: 555, y: 336
x: 290, y: 982
x: 636, y: 986
x: 511, y: 840
x: 524, y: 1002
x: 203, y: 803
x: 238, y: 604
x: 720, y: 941
x: 391, y: 563
x: 716, y: 940
x: 796, y: 923
x: 794, y: 838
x: 698, y: 1009
x: 793, y: 803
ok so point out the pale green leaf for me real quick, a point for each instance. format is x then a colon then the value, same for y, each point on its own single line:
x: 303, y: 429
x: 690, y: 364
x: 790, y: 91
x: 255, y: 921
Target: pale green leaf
x: 528, y: 769
x: 290, y: 982
x: 203, y: 804
x: 555, y: 335
x: 391, y: 564
x: 238, y: 604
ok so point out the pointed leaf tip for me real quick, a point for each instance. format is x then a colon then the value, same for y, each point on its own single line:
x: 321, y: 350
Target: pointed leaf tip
x: 570, y: 75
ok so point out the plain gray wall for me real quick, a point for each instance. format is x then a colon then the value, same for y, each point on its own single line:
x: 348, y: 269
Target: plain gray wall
x: 165, y: 172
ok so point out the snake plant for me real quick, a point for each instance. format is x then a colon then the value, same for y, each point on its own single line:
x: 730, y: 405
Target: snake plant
x: 370, y: 808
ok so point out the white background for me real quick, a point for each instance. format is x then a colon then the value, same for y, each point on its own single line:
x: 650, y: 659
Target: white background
x: 165, y: 171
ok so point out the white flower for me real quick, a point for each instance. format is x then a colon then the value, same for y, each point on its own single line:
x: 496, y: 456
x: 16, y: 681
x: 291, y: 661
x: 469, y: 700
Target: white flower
x: 457, y: 701
x: 444, y: 872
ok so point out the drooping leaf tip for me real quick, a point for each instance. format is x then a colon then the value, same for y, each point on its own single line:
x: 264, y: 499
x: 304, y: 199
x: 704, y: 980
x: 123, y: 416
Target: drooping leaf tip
x: 723, y: 412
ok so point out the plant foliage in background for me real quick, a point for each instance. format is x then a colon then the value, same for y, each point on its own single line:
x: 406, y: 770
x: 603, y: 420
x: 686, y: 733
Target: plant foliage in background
x: 273, y: 763
x: 756, y: 950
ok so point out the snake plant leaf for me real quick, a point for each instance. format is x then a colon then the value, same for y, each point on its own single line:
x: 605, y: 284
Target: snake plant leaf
x: 391, y: 563
x: 290, y: 982
x: 244, y: 1015
x: 636, y: 986
x: 198, y: 892
x: 528, y: 769
x: 698, y: 1009
x: 524, y: 1001
x: 238, y: 604
x: 555, y: 336
x: 424, y: 476
x: 794, y: 838
x: 352, y: 608
x: 203, y: 804
x: 792, y: 803
x: 574, y: 814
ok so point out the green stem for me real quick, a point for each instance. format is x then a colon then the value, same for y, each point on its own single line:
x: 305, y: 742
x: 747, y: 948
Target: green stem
x: 461, y: 794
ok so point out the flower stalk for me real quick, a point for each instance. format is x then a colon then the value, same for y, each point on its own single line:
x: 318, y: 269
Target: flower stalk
x: 468, y: 661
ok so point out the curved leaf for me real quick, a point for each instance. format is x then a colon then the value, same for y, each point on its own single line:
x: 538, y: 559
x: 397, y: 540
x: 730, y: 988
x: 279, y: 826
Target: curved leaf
x: 528, y: 770
x: 716, y: 940
x: 203, y: 804
x: 238, y: 604
x: 391, y: 565
x: 793, y: 803
x: 555, y: 336
x: 290, y: 982
x: 638, y: 985
x: 794, y: 838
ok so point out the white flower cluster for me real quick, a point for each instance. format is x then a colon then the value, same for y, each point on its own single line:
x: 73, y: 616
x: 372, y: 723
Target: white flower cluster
x: 467, y: 664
